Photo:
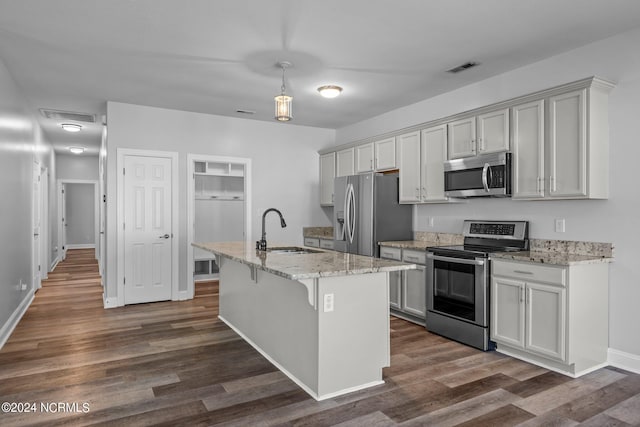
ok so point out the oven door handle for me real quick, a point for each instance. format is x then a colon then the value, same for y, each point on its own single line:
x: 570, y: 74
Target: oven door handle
x: 457, y: 260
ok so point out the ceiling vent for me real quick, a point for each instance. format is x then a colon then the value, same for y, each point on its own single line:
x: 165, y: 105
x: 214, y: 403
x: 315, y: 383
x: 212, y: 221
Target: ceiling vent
x: 463, y: 67
x: 68, y: 115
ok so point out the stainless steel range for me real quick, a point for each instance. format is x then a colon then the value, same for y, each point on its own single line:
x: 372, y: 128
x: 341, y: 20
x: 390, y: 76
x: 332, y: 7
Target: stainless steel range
x: 458, y: 279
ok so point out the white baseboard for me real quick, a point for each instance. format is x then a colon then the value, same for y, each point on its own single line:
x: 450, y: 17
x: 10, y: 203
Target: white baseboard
x: 12, y: 322
x: 54, y: 264
x: 83, y: 246
x: 109, y: 302
x: 183, y: 296
x: 623, y: 360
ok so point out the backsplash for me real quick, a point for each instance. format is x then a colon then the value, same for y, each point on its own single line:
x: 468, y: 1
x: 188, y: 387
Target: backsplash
x: 604, y: 250
x: 319, y: 232
x: 440, y: 238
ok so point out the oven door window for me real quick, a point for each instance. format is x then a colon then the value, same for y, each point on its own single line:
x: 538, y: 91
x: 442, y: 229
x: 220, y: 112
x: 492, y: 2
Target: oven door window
x: 454, y: 289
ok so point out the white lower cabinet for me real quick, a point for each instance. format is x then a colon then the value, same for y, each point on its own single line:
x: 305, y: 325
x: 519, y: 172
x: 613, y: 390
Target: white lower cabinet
x: 553, y: 316
x: 407, y: 289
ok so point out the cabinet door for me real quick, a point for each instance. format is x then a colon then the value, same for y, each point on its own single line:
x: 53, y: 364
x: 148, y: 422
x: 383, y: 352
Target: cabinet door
x: 345, y: 162
x: 395, y: 282
x: 414, y: 288
x: 409, y: 164
x: 462, y: 138
x: 433, y: 154
x: 507, y: 311
x: 546, y: 320
x: 327, y: 173
x: 567, y: 145
x: 493, y: 132
x: 527, y: 124
x: 364, y: 158
x: 385, y: 154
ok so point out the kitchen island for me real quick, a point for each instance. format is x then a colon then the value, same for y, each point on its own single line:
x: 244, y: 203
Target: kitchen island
x: 322, y: 318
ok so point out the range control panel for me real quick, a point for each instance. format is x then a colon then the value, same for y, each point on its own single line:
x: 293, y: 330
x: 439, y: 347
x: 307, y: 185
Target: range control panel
x: 517, y: 230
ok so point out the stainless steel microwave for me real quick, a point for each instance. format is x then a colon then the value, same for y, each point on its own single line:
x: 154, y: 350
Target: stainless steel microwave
x: 486, y: 175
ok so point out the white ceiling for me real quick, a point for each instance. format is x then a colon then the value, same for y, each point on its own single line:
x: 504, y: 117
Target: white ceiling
x: 219, y: 56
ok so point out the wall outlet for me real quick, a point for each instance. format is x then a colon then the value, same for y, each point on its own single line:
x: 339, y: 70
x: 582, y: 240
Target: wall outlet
x: 328, y: 303
x: 23, y: 286
x: 560, y: 225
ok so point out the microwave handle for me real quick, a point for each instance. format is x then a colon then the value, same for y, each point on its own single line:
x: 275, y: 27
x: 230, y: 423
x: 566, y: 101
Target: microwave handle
x: 485, y: 183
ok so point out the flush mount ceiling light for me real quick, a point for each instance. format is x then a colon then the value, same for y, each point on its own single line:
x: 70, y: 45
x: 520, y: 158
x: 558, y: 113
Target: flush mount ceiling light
x: 71, y: 127
x: 330, y: 91
x: 76, y: 150
x: 283, y: 101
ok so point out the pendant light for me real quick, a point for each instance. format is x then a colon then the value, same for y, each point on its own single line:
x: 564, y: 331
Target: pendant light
x: 283, y: 101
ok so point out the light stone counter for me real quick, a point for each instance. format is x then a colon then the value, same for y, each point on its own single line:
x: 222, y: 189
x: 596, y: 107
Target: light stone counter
x: 552, y: 258
x: 318, y: 232
x: 412, y: 244
x: 303, y: 266
x: 562, y: 252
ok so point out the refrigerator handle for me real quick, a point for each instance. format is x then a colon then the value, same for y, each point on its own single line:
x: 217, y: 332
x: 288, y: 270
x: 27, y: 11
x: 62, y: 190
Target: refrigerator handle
x: 351, y: 214
x: 346, y: 213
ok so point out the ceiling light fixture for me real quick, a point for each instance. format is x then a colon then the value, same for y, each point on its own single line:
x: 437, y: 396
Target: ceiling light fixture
x: 283, y: 101
x: 71, y: 127
x: 330, y: 91
x: 76, y: 150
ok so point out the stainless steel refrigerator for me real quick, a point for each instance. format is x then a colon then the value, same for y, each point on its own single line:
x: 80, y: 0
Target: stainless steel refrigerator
x: 366, y: 211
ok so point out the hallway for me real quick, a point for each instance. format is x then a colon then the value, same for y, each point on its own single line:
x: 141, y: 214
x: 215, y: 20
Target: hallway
x: 175, y: 363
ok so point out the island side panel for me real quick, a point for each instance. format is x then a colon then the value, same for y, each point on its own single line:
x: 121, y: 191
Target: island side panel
x: 275, y: 315
x: 354, y: 337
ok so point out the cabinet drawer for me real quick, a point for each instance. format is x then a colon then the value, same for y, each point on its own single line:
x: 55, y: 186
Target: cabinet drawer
x: 311, y: 241
x: 417, y: 257
x: 529, y: 271
x: 326, y: 244
x: 390, y: 253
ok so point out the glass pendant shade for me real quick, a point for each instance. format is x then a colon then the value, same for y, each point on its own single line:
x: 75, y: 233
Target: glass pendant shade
x: 283, y: 107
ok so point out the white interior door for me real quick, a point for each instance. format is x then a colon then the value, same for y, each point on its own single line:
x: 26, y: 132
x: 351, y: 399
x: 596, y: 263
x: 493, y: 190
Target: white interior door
x: 147, y: 229
x: 36, y: 249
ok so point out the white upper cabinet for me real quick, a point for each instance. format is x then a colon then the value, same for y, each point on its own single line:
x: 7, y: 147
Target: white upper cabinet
x: 327, y: 174
x: 385, y: 154
x: 527, y: 126
x: 483, y: 134
x: 345, y: 160
x: 567, y: 145
x: 364, y: 158
x: 561, y: 145
x: 409, y: 163
x: 433, y: 154
x: 493, y: 132
x: 462, y: 138
x: 421, y: 157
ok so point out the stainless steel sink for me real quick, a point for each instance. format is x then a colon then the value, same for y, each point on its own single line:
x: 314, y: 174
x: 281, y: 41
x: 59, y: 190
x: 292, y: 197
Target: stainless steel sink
x: 291, y: 250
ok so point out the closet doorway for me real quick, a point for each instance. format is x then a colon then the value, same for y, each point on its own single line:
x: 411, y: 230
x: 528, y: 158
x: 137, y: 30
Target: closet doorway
x: 219, y: 209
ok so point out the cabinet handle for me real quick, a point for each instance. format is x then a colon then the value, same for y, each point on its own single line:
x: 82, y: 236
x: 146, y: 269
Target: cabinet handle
x: 481, y: 141
x: 522, y: 295
x: 371, y: 163
x: 473, y: 145
x: 412, y: 258
x: 552, y: 183
x: 424, y: 193
x: 522, y: 272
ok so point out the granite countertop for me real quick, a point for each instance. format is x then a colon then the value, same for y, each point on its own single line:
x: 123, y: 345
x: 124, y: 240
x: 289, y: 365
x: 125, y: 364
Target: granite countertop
x: 551, y: 258
x: 303, y: 266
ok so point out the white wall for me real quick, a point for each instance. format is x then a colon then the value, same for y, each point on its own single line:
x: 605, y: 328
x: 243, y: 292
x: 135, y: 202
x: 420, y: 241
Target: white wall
x: 71, y: 166
x: 284, y: 166
x: 613, y: 220
x: 80, y: 214
x: 21, y: 143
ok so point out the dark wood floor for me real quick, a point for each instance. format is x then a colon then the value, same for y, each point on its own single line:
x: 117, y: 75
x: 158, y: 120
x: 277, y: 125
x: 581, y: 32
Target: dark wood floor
x: 175, y: 363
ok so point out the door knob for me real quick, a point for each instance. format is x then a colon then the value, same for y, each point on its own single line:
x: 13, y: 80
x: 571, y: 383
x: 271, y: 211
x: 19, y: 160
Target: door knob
x: 166, y: 236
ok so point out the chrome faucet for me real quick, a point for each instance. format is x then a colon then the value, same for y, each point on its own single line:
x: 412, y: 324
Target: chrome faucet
x: 262, y: 243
